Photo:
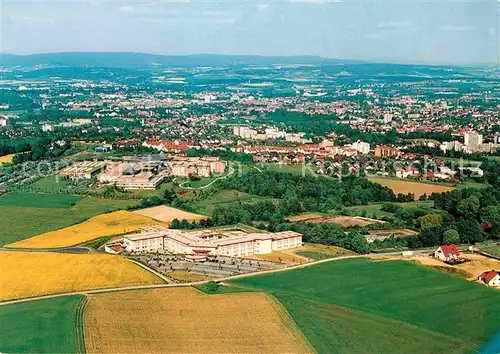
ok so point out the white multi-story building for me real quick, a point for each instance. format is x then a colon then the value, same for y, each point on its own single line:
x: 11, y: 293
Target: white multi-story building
x: 244, y: 132
x: 472, y: 140
x: 361, y: 147
x: 197, y: 245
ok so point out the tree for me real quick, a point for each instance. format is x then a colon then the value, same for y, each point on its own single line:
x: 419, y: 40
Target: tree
x: 430, y: 221
x: 168, y: 196
x: 469, y: 206
x: 358, y: 244
x: 211, y: 287
x: 451, y: 237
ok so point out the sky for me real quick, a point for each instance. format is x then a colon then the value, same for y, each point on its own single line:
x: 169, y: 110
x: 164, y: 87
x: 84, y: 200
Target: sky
x: 401, y: 31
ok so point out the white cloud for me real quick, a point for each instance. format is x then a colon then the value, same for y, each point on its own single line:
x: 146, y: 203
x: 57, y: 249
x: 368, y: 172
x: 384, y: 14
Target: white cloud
x: 395, y: 24
x: 126, y: 9
x: 457, y: 28
x: 262, y: 7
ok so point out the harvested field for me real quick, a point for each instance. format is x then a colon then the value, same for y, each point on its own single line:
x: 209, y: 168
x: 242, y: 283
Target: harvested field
x: 28, y: 274
x: 115, y: 223
x: 166, y: 214
x: 286, y: 256
x: 417, y: 188
x: 6, y: 158
x: 344, y: 221
x: 184, y: 320
x: 312, y: 251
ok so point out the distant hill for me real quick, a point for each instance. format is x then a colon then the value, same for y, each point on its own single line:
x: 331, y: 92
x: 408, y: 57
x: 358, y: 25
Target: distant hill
x: 143, y: 60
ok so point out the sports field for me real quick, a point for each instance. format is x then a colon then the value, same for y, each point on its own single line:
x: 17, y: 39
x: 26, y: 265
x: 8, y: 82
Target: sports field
x: 115, y: 223
x: 21, y: 222
x: 44, y: 326
x: 396, y: 306
x: 417, y: 188
x: 166, y: 214
x: 28, y: 274
x: 184, y: 320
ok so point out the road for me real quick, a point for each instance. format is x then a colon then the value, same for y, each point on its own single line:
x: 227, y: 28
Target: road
x: 231, y: 171
x: 175, y: 285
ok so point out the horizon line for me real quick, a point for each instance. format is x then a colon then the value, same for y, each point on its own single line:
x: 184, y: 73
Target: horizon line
x: 362, y: 61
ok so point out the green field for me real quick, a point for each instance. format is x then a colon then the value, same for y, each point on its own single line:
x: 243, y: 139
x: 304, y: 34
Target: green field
x: 49, y: 184
x: 207, y: 205
x: 375, y: 209
x: 358, y: 305
x: 295, y: 169
x: 33, y: 200
x: 20, y: 222
x: 44, y: 326
x: 493, y: 250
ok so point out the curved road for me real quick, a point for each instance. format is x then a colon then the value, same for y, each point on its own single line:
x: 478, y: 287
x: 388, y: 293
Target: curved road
x: 231, y: 171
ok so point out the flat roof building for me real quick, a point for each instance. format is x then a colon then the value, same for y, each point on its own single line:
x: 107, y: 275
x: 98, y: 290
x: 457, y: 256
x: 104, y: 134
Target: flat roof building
x: 197, y: 245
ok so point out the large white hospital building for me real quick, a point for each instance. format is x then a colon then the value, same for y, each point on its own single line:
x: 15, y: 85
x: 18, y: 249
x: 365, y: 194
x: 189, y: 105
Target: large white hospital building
x: 197, y: 245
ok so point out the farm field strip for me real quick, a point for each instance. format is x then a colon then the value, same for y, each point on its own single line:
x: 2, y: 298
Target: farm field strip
x: 21, y: 222
x: 31, y: 274
x: 44, y: 326
x: 167, y: 214
x: 115, y: 223
x: 134, y: 321
x: 417, y: 188
x: 34, y: 200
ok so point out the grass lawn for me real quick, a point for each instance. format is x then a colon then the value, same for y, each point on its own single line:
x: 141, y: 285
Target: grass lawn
x: 295, y: 169
x: 393, y: 306
x: 45, y: 326
x: 33, y: 200
x: 206, y: 206
x: 19, y: 222
x: 493, y: 250
x: 49, y: 184
x: 374, y: 209
x: 314, y: 255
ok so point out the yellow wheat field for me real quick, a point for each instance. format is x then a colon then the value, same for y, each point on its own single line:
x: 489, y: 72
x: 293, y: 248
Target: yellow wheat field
x: 27, y: 274
x: 6, y: 158
x: 115, y: 223
x: 417, y: 188
x: 166, y: 214
x: 183, y: 320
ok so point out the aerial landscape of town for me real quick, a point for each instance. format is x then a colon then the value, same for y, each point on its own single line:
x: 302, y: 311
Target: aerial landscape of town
x: 192, y: 203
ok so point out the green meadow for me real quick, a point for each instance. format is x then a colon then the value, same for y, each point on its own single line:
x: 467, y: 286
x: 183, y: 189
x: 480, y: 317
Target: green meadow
x: 32, y: 200
x: 358, y: 305
x: 31, y: 214
x: 44, y: 326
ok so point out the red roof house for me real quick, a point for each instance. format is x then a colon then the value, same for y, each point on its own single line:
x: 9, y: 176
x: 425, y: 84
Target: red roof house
x: 447, y: 253
x: 492, y: 278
